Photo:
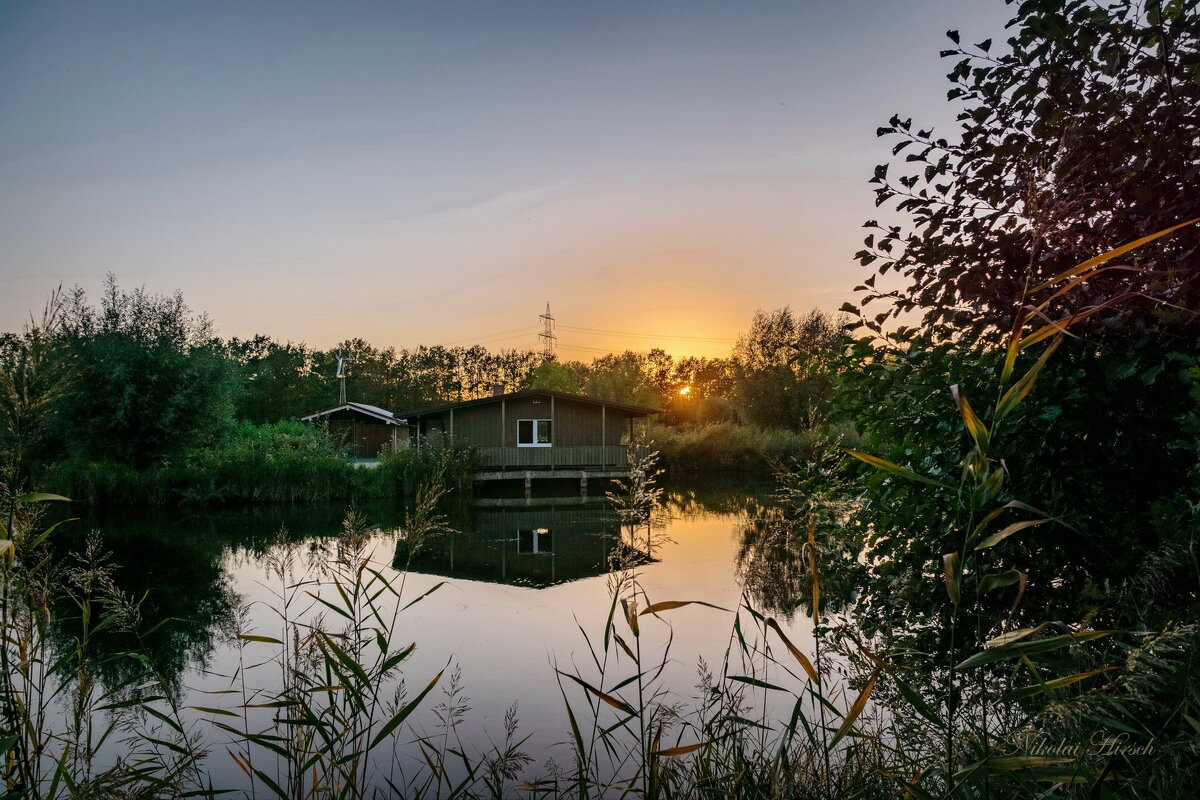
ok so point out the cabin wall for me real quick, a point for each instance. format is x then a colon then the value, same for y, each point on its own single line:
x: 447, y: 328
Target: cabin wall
x: 371, y: 438
x: 366, y: 439
x: 576, y: 424
x: 479, y: 425
x: 434, y: 423
x: 617, y: 428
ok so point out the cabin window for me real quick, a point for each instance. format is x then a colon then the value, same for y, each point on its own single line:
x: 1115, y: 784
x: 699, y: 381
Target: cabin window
x: 533, y: 433
x: 538, y: 540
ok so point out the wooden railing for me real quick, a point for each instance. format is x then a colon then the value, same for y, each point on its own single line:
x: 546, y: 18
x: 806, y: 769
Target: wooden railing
x: 552, y: 457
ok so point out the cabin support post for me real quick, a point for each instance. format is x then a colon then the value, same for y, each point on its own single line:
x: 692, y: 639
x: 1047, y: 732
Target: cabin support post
x: 603, y: 436
x: 452, y: 423
x: 583, y: 483
x: 503, y: 435
x: 528, y: 485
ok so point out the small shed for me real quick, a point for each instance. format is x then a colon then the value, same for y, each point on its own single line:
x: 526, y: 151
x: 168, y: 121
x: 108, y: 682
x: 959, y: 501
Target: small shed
x: 365, y: 429
x: 538, y: 429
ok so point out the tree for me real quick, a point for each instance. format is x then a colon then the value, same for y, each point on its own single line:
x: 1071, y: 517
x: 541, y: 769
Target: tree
x: 1081, y: 137
x: 278, y: 380
x: 769, y: 341
x: 150, y: 379
x: 554, y: 375
x: 32, y: 376
x: 783, y: 366
x: 621, y: 378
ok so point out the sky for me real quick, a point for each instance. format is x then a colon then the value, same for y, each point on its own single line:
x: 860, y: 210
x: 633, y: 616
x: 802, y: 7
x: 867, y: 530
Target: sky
x: 437, y: 172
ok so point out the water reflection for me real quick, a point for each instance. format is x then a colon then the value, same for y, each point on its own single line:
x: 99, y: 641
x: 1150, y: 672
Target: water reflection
x: 771, y: 561
x: 537, y: 543
x: 188, y: 568
x: 521, y: 580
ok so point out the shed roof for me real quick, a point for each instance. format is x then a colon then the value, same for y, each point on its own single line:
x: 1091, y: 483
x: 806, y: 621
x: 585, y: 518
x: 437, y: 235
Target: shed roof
x: 637, y: 411
x: 381, y: 414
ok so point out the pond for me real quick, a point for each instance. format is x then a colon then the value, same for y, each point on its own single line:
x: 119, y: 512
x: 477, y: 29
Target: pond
x: 522, y: 587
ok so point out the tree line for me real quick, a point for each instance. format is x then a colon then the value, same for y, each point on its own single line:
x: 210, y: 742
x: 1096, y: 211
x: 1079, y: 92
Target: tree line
x: 144, y: 379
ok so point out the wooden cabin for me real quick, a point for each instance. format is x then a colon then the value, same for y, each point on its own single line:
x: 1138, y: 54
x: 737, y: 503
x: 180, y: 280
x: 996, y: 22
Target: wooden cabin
x: 367, y: 430
x: 539, y: 431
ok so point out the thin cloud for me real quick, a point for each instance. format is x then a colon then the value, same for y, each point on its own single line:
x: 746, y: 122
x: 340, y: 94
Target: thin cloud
x: 483, y: 205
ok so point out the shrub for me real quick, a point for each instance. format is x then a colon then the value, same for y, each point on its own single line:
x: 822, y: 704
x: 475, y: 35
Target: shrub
x: 726, y: 446
x: 401, y: 471
x: 279, y: 462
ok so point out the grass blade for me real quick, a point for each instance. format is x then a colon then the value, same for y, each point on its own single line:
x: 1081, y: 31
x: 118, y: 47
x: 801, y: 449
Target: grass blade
x: 887, y: 466
x: 1007, y: 651
x: 1096, y: 261
x: 795, y: 651
x: 856, y: 709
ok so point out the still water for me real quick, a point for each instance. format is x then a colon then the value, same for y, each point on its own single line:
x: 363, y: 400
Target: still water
x: 512, y: 588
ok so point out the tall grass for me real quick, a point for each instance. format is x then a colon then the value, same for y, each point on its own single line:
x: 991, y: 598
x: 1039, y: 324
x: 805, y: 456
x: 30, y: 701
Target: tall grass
x: 733, y: 447
x: 277, y: 463
x: 67, y: 733
x: 280, y: 462
x: 770, y: 722
x: 439, y: 460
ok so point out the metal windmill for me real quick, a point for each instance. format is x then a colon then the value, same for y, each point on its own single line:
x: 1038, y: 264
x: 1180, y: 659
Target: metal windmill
x: 342, y: 361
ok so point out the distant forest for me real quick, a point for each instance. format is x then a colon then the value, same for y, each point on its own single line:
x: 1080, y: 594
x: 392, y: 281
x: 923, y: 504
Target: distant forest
x: 150, y: 380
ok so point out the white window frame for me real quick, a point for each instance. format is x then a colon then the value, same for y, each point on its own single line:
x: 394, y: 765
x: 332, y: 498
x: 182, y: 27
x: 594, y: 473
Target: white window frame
x: 535, y: 442
x: 536, y: 542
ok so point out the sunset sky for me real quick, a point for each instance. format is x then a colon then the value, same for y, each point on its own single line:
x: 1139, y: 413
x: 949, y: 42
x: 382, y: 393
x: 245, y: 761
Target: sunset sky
x: 436, y: 172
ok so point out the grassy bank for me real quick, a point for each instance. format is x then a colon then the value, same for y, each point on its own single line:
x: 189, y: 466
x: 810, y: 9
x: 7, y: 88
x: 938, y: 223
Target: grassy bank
x: 275, y: 463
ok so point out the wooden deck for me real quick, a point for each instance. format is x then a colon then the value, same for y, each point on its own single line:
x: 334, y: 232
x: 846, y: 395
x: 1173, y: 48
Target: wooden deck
x: 552, y: 458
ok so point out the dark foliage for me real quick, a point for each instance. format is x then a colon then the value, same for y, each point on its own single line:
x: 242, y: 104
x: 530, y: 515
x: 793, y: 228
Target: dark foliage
x: 149, y: 380
x: 1081, y: 136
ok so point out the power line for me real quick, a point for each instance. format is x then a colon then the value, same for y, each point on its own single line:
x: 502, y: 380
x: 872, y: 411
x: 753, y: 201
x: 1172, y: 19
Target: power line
x: 524, y: 331
x: 601, y: 350
x: 599, y: 331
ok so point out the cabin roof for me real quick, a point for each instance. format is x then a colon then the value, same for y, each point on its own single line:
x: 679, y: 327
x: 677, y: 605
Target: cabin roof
x: 381, y: 414
x: 636, y: 411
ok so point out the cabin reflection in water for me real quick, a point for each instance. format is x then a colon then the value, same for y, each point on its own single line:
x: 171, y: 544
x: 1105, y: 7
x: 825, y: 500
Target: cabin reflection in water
x: 522, y: 544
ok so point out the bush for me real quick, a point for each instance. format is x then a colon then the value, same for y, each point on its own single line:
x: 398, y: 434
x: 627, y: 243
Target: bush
x: 401, y: 471
x: 726, y: 446
x: 280, y: 462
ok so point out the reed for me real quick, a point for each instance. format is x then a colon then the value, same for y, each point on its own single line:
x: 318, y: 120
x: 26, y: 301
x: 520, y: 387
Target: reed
x: 63, y: 723
x: 734, y: 447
